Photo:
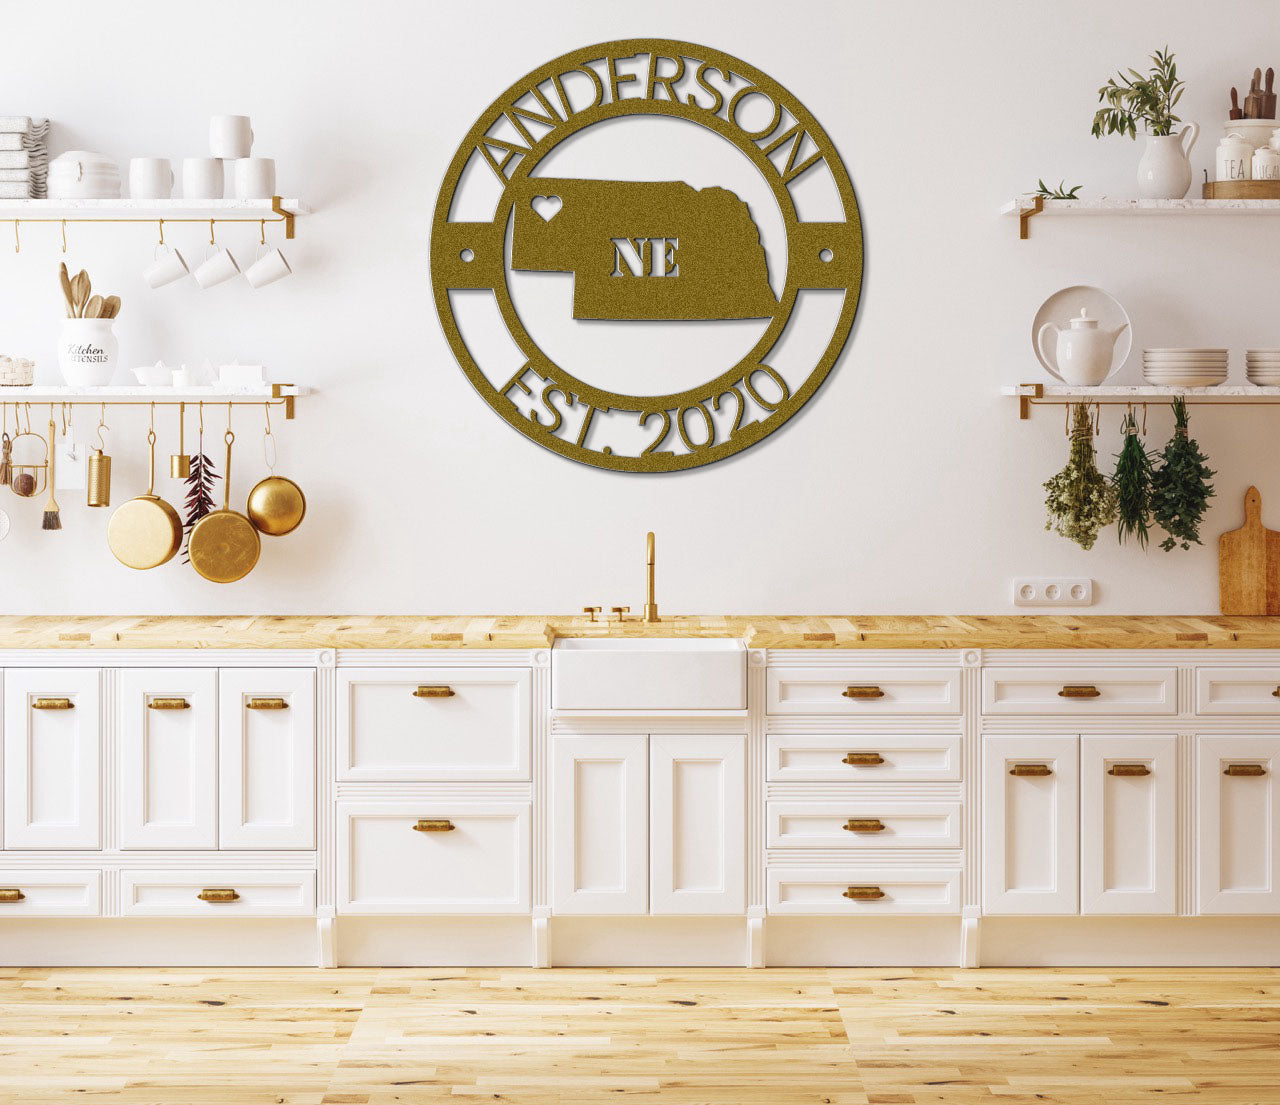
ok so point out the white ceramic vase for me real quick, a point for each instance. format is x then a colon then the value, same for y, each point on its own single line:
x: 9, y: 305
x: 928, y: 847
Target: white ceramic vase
x: 87, y: 351
x: 1164, y: 173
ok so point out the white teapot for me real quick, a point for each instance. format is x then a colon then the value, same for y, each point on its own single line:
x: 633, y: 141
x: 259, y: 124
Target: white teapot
x: 1082, y: 355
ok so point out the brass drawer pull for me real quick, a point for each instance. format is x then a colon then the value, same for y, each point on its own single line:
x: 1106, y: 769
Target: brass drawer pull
x: 266, y: 704
x: 218, y: 894
x: 870, y: 691
x: 1276, y: 693
x: 864, y: 825
x: 11, y: 894
x: 1128, y: 770
x: 168, y: 704
x: 433, y: 692
x: 1031, y: 771
x: 864, y: 893
x: 1079, y: 690
x: 53, y: 704
x: 863, y: 759
x: 434, y: 825
x: 1248, y: 770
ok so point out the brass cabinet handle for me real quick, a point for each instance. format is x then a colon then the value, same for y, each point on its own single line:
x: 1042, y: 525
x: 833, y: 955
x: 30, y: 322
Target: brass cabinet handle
x: 1033, y: 771
x: 434, y: 825
x: 168, y: 704
x: 433, y: 692
x: 1248, y: 770
x: 862, y: 759
x: 1079, y: 690
x: 869, y: 691
x: 218, y: 894
x: 864, y: 825
x: 11, y: 894
x: 864, y: 893
x: 1276, y: 693
x: 266, y: 704
x: 53, y: 704
x: 1126, y: 770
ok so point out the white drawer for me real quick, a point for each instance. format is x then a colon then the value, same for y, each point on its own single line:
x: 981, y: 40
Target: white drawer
x: 1079, y: 692
x: 434, y: 724
x: 480, y: 865
x: 863, y: 758
x: 50, y: 893
x: 1238, y: 691
x: 863, y: 692
x: 901, y: 889
x: 217, y: 893
x: 861, y: 823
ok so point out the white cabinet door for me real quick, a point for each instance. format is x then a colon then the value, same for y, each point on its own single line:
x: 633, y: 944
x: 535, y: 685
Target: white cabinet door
x: 1238, y: 828
x: 52, y: 758
x: 1031, y: 825
x: 1128, y: 824
x: 267, y: 724
x: 168, y: 746
x: 600, y: 825
x: 697, y: 824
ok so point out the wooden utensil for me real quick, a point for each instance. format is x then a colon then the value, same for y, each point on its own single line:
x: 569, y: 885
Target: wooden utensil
x: 1269, y: 96
x: 110, y: 307
x: 1249, y: 564
x: 93, y: 309
x: 52, y: 516
x: 1253, y: 101
x: 224, y: 546
x: 64, y: 279
x: 145, y: 532
x: 80, y: 289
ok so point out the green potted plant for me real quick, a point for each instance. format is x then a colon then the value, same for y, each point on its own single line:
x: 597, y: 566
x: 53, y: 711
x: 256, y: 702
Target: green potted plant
x: 1165, y: 169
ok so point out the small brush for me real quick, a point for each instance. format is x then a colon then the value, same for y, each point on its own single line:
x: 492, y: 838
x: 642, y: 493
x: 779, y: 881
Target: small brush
x: 52, y: 517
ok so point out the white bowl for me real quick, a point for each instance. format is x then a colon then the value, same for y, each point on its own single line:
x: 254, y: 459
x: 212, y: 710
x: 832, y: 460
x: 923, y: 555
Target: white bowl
x: 154, y: 375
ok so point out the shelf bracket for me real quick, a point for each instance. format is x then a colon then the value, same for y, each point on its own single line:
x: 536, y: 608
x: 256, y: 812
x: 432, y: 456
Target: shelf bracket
x: 287, y: 216
x: 276, y: 393
x: 1025, y: 215
x: 1026, y: 393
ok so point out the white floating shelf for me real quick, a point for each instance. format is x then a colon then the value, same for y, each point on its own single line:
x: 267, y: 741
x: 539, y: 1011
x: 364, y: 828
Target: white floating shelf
x: 1028, y: 207
x: 136, y: 395
x: 277, y: 209
x: 1034, y: 395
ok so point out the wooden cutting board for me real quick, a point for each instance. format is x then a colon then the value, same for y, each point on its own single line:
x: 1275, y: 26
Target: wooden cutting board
x: 1249, y: 564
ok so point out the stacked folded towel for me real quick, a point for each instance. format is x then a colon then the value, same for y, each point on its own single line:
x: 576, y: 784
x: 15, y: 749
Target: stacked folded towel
x: 24, y: 157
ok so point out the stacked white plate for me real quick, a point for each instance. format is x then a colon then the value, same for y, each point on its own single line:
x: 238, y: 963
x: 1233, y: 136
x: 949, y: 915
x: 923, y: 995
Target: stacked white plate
x: 1185, y: 368
x: 79, y: 174
x: 1262, y: 367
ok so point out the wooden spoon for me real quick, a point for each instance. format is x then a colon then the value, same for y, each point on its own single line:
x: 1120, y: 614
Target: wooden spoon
x: 80, y: 292
x: 110, y: 307
x: 65, y: 281
x: 93, y: 309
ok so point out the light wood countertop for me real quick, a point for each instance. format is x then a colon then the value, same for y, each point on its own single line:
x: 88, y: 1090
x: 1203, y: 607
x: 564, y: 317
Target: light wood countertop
x: 534, y: 631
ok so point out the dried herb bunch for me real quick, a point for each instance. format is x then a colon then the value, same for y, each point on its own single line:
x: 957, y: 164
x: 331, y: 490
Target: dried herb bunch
x: 1180, y: 490
x: 199, y: 501
x: 1080, y: 500
x: 1132, y: 481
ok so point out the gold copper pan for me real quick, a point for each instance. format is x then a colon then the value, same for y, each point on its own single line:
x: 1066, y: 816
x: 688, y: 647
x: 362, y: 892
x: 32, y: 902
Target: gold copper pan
x: 145, y: 532
x: 224, y: 546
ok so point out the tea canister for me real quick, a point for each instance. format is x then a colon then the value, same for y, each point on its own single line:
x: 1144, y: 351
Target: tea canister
x: 1234, y: 158
x: 1266, y: 164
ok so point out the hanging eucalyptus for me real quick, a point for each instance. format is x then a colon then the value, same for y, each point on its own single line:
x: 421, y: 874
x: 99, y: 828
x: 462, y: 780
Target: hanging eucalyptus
x: 1080, y: 500
x: 1181, y: 490
x: 1132, y: 481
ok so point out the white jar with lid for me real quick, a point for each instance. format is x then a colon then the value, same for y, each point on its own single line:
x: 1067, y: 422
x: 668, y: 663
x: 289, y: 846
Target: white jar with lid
x: 1266, y: 164
x: 1234, y: 157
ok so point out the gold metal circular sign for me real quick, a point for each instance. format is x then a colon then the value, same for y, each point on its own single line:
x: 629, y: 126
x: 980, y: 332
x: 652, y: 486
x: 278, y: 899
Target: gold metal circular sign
x: 647, y: 251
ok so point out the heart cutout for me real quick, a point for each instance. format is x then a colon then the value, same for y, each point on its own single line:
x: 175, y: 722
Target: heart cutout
x: 546, y: 207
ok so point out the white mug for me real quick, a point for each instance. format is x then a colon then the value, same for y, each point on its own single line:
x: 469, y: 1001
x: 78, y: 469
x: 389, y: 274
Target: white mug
x: 255, y: 178
x: 166, y: 269
x: 230, y: 136
x: 216, y: 268
x: 150, y: 178
x: 267, y: 269
x: 201, y: 178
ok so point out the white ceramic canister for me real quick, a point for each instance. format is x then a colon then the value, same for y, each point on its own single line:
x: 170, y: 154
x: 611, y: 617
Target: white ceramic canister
x: 1233, y: 159
x: 87, y: 351
x: 1266, y: 164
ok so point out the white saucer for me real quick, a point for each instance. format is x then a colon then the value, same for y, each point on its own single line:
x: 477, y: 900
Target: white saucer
x: 1066, y: 304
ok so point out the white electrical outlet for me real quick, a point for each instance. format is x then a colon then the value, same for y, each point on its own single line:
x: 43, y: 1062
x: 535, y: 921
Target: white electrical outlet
x: 1052, y: 591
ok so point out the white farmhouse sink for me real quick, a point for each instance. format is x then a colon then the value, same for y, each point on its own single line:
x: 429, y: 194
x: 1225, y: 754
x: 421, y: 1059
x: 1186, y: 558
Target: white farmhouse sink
x: 648, y: 673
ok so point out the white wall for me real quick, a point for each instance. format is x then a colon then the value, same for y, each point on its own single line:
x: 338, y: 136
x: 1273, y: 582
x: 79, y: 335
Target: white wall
x: 906, y: 485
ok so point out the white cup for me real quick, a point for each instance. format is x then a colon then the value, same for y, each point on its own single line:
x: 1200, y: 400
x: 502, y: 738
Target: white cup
x: 255, y: 178
x: 201, y: 178
x: 150, y: 178
x: 181, y: 377
x: 230, y: 136
x: 267, y: 269
x: 166, y: 268
x: 216, y: 268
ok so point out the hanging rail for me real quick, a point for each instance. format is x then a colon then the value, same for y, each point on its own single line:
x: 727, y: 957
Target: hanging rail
x: 1230, y: 395
x: 272, y: 395
x: 282, y: 212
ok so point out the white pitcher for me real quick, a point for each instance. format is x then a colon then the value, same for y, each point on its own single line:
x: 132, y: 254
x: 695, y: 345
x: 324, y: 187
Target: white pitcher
x: 1164, y: 173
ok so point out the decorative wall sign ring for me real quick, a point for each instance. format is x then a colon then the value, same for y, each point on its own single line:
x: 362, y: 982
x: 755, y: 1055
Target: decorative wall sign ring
x: 647, y: 250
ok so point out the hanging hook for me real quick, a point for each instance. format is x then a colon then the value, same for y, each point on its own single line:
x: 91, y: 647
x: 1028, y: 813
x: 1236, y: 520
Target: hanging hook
x: 211, y: 239
x: 153, y: 417
x: 268, y: 441
x: 201, y: 416
x: 67, y: 419
x: 1066, y: 419
x: 1144, y: 420
x: 17, y: 240
x: 1097, y: 419
x: 64, y: 235
x: 102, y: 425
x: 262, y: 232
x: 27, y: 412
x: 228, y: 416
x: 160, y: 224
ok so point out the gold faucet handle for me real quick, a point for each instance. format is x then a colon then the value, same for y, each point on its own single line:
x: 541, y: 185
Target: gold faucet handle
x: 592, y: 610
x: 620, y: 610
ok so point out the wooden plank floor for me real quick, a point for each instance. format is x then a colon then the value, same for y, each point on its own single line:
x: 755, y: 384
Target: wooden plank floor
x: 688, y: 1037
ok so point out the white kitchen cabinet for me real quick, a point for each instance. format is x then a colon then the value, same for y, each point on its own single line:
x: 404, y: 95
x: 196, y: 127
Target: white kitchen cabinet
x: 1238, y: 824
x: 168, y: 757
x: 697, y: 846
x: 1031, y: 825
x: 1128, y: 824
x: 863, y: 691
x: 860, y: 823
x: 863, y: 758
x: 50, y: 893
x: 267, y: 752
x: 863, y: 889
x: 600, y: 824
x: 1079, y: 691
x: 217, y: 893
x: 52, y: 758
